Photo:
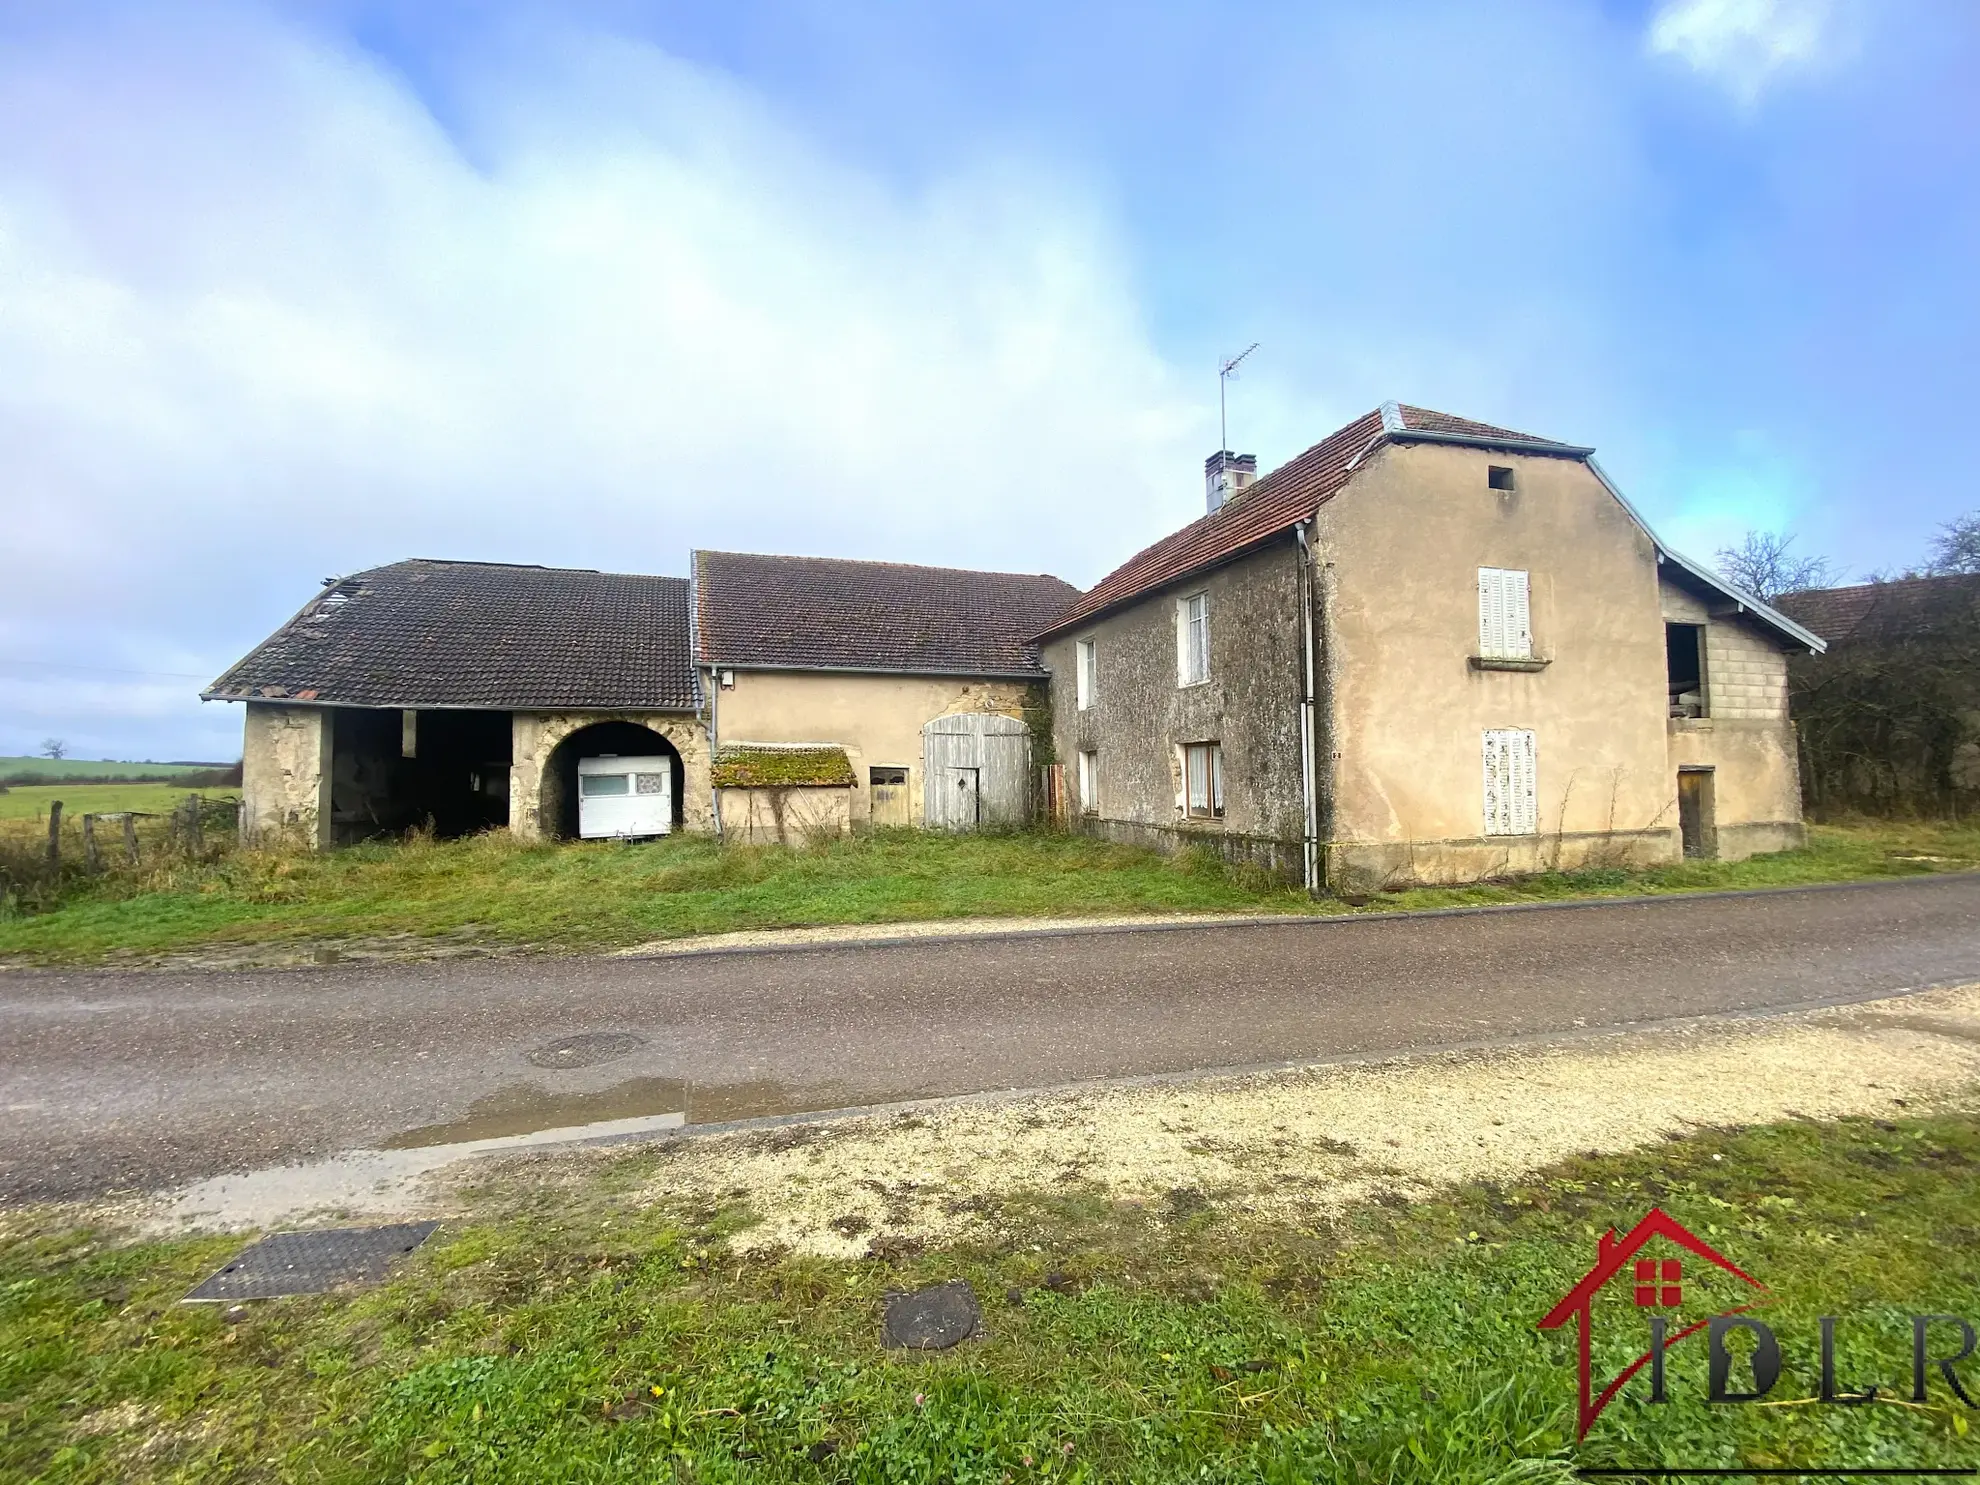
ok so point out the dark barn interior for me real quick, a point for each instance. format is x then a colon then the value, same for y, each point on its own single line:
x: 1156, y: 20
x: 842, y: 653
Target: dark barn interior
x: 393, y: 771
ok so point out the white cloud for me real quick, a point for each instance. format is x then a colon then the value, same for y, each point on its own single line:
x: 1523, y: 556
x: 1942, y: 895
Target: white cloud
x: 1745, y: 45
x: 262, y: 319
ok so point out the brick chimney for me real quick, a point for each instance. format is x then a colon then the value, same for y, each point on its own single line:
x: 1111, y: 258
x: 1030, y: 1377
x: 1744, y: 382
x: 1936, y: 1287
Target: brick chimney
x: 1224, y: 474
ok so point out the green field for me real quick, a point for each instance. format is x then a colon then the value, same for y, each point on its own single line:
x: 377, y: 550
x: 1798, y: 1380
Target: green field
x: 561, y: 1333
x: 31, y: 801
x: 575, y: 897
x: 86, y: 768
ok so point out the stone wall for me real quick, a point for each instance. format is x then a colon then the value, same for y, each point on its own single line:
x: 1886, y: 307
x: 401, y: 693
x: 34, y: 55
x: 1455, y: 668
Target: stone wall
x: 285, y: 775
x: 1140, y: 717
x: 532, y: 803
x: 877, y: 718
x: 793, y: 816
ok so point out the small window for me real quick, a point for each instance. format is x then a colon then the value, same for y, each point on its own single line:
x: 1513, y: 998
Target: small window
x: 649, y: 783
x: 1193, y: 640
x: 1511, y: 799
x: 594, y: 784
x: 1085, y: 673
x: 1089, y: 782
x: 1499, y: 477
x: 1684, y: 669
x: 1505, y: 622
x: 886, y: 778
x: 1203, y: 769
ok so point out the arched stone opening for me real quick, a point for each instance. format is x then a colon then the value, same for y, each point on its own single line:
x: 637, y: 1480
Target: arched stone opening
x: 559, y: 809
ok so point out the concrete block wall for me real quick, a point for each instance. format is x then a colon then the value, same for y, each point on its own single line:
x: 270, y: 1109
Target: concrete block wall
x: 1745, y: 674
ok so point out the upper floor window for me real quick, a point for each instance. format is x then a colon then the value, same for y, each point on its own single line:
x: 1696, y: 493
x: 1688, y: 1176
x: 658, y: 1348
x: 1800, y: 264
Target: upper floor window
x: 1505, y: 623
x: 1499, y: 477
x: 1684, y: 669
x: 1193, y: 639
x: 1085, y: 673
x: 1203, y: 775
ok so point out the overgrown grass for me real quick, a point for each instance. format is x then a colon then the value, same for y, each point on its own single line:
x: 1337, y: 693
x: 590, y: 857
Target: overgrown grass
x: 491, y: 890
x: 578, y: 1337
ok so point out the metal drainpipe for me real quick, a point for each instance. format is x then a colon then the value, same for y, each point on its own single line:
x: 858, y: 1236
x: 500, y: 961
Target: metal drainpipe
x: 714, y: 793
x: 1308, y: 786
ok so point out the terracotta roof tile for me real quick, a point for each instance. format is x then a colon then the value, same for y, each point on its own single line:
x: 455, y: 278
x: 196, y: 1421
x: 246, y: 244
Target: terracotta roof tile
x: 826, y: 614
x: 1839, y: 613
x: 479, y: 634
x: 1288, y: 495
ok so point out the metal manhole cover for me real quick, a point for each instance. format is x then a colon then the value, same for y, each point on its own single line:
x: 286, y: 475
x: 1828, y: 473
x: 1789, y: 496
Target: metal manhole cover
x: 586, y: 1049
x: 312, y: 1262
x: 932, y: 1319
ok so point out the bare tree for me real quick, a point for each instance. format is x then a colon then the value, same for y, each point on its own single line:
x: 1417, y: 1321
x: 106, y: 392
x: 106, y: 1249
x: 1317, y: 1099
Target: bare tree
x: 1763, y: 566
x: 1956, y: 549
x: 54, y: 747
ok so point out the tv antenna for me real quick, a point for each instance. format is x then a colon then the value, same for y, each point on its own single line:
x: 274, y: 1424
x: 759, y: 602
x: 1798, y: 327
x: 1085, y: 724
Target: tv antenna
x: 1225, y: 371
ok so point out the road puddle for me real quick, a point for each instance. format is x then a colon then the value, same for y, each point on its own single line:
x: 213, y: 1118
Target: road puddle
x: 527, y: 1109
x: 520, y: 1117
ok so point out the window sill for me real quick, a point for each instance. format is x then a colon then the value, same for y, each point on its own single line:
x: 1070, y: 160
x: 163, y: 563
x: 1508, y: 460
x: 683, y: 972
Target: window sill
x: 1531, y: 664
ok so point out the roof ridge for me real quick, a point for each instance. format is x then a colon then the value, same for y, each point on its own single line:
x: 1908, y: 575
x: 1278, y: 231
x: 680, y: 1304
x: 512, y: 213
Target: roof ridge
x: 881, y: 562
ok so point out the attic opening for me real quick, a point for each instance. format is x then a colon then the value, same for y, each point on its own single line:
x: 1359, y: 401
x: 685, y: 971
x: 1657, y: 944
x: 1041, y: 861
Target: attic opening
x: 1684, y: 667
x: 1499, y: 477
x: 581, y: 767
x: 394, y: 771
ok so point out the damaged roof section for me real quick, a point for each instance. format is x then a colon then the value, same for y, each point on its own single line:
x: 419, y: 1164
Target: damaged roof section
x: 782, y: 766
x: 818, y: 613
x: 425, y: 633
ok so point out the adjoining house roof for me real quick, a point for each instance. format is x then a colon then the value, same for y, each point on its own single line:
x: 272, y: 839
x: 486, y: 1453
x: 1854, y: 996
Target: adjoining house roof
x: 1296, y: 489
x: 782, y: 766
x: 478, y: 635
x: 1288, y: 495
x: 818, y: 613
x: 1839, y: 614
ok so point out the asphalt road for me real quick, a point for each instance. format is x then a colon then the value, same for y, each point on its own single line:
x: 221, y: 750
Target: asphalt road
x: 137, y: 1081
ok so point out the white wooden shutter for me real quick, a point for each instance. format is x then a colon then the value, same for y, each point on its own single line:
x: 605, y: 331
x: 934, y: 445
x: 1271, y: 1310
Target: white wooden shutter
x: 1505, y: 623
x: 1512, y: 804
x: 1084, y: 676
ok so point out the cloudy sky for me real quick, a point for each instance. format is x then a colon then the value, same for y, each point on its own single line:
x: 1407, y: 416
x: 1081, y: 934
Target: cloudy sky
x: 289, y: 291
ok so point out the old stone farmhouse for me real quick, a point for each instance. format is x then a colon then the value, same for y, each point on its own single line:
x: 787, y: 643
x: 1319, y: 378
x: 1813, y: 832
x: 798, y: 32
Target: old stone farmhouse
x: 921, y: 677
x: 1426, y: 650
x: 466, y: 693
x: 772, y: 698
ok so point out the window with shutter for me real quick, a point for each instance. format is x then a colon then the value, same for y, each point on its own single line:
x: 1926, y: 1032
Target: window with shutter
x: 1512, y: 804
x: 1089, y: 782
x: 1085, y: 673
x: 1505, y: 624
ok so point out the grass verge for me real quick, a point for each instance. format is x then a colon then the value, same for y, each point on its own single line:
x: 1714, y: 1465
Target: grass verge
x: 561, y: 1335
x: 491, y: 891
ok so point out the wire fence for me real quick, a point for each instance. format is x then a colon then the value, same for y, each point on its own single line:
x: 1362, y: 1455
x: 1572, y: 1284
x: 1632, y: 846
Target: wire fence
x: 44, y: 860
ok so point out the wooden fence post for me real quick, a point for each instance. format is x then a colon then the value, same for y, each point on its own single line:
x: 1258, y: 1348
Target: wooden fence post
x: 130, y: 837
x: 195, y: 838
x: 92, y: 862
x: 55, y: 832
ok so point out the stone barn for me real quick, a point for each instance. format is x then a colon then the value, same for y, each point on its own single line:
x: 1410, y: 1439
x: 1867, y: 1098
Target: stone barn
x: 461, y: 696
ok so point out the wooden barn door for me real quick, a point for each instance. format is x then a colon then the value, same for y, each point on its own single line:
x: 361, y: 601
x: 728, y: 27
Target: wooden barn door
x: 977, y: 768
